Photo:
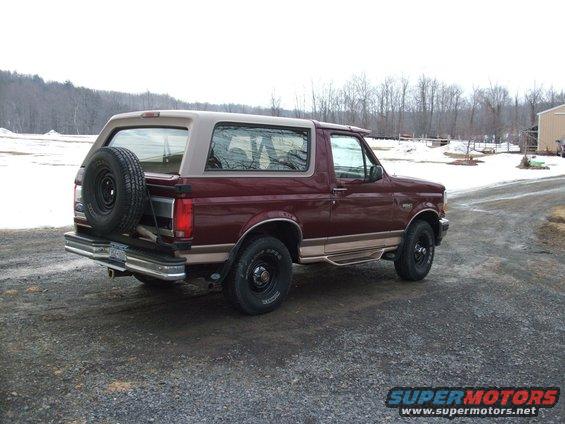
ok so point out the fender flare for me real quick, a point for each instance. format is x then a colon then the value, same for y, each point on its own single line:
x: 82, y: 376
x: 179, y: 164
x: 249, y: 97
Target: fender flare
x: 420, y: 212
x: 219, y: 276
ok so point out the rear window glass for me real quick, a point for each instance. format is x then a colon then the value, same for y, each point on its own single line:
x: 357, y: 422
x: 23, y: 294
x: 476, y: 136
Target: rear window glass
x: 238, y: 147
x: 159, y: 150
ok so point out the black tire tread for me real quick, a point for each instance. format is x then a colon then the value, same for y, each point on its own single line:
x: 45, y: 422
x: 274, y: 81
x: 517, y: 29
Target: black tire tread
x: 404, y: 265
x: 136, y: 189
x: 229, y: 287
x: 133, y: 198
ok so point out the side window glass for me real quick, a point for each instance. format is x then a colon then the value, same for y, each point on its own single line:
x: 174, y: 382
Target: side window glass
x: 237, y: 147
x: 348, y: 157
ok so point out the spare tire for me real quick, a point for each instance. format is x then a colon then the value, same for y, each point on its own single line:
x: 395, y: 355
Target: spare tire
x: 113, y: 190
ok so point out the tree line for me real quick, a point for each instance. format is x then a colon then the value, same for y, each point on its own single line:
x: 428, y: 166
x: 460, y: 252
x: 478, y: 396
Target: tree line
x: 425, y: 107
x: 28, y: 104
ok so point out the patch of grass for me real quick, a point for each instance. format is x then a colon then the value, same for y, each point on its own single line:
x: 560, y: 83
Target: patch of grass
x: 459, y: 155
x: 557, y: 215
x: 466, y: 162
x: 119, y: 386
x: 552, y: 231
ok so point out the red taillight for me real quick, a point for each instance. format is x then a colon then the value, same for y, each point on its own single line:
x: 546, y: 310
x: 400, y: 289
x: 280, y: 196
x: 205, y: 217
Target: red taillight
x: 183, y: 218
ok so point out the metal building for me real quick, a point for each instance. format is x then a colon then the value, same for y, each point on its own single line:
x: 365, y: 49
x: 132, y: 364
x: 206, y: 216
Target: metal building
x: 551, y: 127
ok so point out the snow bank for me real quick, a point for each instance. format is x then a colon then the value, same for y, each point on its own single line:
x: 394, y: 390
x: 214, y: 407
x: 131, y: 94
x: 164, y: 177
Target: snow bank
x: 48, y: 164
x: 4, y: 131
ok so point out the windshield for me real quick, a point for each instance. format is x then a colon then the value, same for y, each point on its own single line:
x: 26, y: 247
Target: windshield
x: 159, y: 150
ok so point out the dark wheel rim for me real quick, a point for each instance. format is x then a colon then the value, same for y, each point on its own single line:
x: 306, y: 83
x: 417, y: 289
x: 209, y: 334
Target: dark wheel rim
x: 422, y: 250
x: 263, y: 275
x: 105, y: 190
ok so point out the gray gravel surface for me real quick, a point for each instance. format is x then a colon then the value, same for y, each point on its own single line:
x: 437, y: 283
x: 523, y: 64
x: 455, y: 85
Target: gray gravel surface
x: 77, y: 347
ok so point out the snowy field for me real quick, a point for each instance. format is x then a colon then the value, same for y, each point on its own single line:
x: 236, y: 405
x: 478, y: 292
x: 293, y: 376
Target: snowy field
x: 416, y: 159
x: 37, y: 175
x: 37, y: 172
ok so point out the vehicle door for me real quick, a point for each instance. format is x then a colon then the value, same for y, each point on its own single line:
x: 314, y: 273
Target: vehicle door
x: 362, y: 198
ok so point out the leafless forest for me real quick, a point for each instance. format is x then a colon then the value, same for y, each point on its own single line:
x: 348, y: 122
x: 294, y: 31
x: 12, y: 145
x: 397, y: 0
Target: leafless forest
x: 393, y: 106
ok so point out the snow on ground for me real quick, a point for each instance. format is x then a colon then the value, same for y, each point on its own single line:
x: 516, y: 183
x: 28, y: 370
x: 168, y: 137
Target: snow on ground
x: 4, y: 131
x: 37, y: 175
x: 37, y: 172
x: 419, y: 160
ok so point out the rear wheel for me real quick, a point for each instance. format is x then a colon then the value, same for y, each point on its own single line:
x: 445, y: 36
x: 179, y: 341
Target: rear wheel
x: 153, y: 282
x: 260, y: 278
x: 417, y: 253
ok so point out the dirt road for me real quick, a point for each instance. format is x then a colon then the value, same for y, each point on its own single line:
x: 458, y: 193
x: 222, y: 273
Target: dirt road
x: 76, y: 347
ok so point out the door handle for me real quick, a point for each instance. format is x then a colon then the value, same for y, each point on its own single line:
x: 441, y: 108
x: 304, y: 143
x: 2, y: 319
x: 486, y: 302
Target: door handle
x: 336, y: 189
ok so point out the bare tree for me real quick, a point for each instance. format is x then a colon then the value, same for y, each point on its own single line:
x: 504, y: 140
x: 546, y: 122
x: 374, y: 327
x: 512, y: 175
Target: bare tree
x: 404, y: 84
x: 364, y: 94
x: 421, y: 102
x: 534, y: 97
x: 476, y: 97
x: 515, y: 112
x: 299, y: 105
x: 275, y: 104
x: 432, y: 100
x: 349, y: 99
x: 455, y: 106
x: 383, y: 106
x: 495, y: 98
x: 551, y: 97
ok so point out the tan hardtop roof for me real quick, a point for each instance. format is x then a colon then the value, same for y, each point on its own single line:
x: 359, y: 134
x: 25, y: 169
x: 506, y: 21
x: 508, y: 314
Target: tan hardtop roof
x: 239, y: 117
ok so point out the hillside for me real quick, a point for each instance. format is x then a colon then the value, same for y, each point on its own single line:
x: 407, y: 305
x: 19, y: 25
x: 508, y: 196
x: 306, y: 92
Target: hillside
x: 425, y: 107
x: 28, y: 104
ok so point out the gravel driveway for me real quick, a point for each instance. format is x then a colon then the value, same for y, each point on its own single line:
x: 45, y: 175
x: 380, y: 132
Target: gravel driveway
x: 77, y: 347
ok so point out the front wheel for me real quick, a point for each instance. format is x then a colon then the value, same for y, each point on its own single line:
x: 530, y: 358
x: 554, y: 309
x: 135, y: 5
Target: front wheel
x: 260, y: 278
x: 417, y: 254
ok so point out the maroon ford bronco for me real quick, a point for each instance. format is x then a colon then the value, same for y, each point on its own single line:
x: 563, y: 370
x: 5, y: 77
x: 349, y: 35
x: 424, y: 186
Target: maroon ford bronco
x: 237, y: 199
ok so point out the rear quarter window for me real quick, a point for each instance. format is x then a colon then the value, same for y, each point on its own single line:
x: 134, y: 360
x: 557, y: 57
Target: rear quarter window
x: 237, y: 147
x: 159, y: 150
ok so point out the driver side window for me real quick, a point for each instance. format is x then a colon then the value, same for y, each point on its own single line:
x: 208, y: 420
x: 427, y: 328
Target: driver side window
x: 350, y: 160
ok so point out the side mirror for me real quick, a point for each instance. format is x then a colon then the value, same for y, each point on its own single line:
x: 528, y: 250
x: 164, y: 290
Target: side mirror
x: 375, y: 173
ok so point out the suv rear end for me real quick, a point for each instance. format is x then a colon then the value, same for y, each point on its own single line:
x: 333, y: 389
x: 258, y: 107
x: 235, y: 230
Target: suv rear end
x: 174, y: 195
x: 164, y: 228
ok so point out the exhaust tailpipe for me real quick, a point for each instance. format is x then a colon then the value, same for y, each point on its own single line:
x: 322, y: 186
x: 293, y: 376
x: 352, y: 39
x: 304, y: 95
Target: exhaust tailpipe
x: 114, y: 273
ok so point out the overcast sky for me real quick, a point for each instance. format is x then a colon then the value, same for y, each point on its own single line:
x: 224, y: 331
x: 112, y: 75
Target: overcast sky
x: 239, y: 51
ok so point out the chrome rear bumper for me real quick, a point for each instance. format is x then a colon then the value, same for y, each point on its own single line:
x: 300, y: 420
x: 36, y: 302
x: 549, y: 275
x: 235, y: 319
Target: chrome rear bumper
x: 156, y: 265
